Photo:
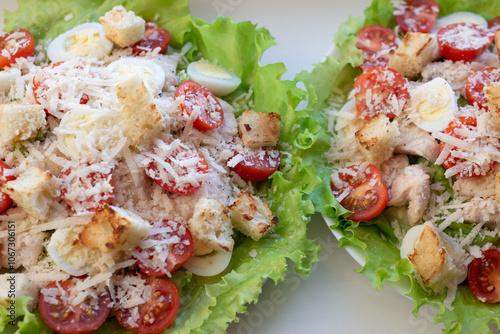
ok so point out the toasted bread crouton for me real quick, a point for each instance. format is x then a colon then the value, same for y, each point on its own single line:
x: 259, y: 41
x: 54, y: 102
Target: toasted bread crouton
x: 376, y: 139
x: 497, y: 41
x: 492, y: 96
x: 33, y: 190
x: 122, y: 27
x: 415, y: 51
x: 17, y: 284
x: 251, y: 216
x: 20, y: 121
x: 114, y: 229
x: 211, y: 225
x: 258, y: 129
x: 497, y: 187
x: 431, y: 259
x: 138, y: 109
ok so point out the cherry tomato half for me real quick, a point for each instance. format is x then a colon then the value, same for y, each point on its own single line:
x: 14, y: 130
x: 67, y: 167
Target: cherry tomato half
x: 15, y: 44
x: 154, y: 37
x: 377, y: 89
x: 474, y: 170
x: 195, y: 95
x: 89, y: 200
x: 367, y: 194
x: 464, y: 41
x: 474, y: 86
x: 178, y: 250
x: 40, y: 86
x: 165, y: 179
x: 376, y: 42
x: 5, y: 200
x: 155, y: 314
x: 69, y: 319
x: 484, y: 276
x: 416, y: 15
x: 258, y: 166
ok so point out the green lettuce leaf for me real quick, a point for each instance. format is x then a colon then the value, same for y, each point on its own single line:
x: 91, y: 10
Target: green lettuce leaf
x: 209, y: 304
x: 333, y: 78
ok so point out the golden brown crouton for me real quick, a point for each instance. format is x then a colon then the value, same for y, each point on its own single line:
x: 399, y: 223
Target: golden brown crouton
x: 211, y: 225
x: 497, y: 187
x: 138, y: 108
x: 258, y: 129
x: 33, y: 190
x: 251, y: 216
x: 113, y: 229
x: 415, y: 51
x: 20, y: 121
x: 122, y: 27
x: 492, y: 96
x: 376, y: 139
x: 432, y: 261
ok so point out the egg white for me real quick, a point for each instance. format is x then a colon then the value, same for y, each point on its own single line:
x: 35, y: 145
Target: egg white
x: 459, y: 17
x: 434, y: 105
x: 150, y: 72
x: 63, y: 253
x: 216, y: 79
x: 85, y: 40
x: 208, y: 265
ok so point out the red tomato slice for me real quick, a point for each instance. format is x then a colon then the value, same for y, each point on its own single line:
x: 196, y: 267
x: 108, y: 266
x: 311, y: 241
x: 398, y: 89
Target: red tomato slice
x: 474, y: 86
x: 157, y: 313
x: 258, y: 166
x: 376, y: 42
x: 166, y: 179
x: 154, y: 37
x: 451, y: 161
x: 16, y: 44
x: 464, y: 41
x: 484, y: 276
x: 5, y: 200
x: 39, y: 85
x: 416, y: 15
x: 367, y: 194
x: 179, y: 249
x: 91, y: 202
x: 211, y: 114
x: 68, y: 319
x: 377, y: 89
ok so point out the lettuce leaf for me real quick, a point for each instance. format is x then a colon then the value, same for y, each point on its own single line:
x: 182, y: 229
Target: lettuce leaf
x: 335, y: 77
x: 209, y: 304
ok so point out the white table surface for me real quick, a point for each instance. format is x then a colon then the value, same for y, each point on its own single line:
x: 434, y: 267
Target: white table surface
x: 333, y: 299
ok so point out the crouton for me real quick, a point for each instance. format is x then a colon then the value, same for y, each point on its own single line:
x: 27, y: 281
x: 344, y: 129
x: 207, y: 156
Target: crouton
x: 17, y: 285
x: 211, y: 225
x: 431, y: 259
x: 113, y: 229
x: 138, y: 109
x: 33, y: 190
x: 415, y: 51
x: 492, y: 96
x: 497, y: 41
x: 376, y: 139
x: 258, y: 129
x: 497, y: 187
x: 20, y: 121
x: 251, y: 216
x: 122, y: 27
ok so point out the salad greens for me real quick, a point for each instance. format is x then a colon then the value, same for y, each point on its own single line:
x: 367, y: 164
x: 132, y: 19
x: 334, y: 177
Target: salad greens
x: 333, y: 78
x: 209, y: 304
